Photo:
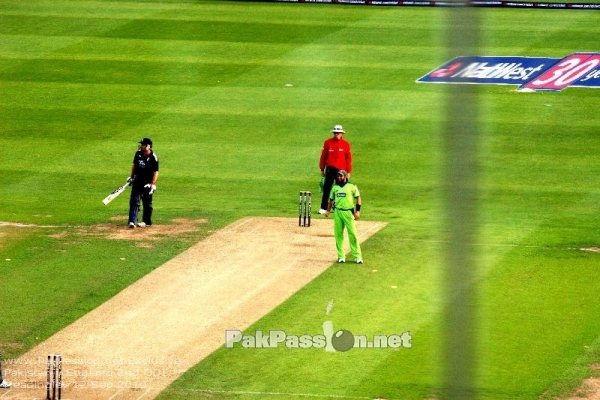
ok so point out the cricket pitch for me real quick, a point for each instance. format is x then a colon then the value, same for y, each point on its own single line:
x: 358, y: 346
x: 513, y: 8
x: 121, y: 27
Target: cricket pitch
x: 137, y: 343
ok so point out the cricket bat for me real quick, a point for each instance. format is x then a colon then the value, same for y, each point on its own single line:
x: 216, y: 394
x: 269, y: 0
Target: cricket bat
x: 116, y: 193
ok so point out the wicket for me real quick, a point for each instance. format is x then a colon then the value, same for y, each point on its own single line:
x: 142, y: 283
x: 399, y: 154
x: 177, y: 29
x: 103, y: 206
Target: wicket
x: 54, y: 376
x: 304, y: 208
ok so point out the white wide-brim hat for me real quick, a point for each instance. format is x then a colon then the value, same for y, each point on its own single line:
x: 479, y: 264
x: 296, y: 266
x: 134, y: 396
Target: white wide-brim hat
x: 337, y: 129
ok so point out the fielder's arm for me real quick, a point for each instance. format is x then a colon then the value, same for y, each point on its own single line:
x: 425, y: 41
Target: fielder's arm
x: 357, y: 208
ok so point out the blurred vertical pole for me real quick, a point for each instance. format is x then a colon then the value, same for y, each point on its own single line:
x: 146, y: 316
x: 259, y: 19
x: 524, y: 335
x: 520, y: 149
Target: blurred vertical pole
x: 460, y: 170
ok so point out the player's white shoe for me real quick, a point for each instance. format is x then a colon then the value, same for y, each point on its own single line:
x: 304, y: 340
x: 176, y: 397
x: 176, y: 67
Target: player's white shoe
x: 359, y: 260
x: 131, y: 225
x: 5, y: 384
x: 321, y: 211
x: 341, y: 260
x: 142, y: 224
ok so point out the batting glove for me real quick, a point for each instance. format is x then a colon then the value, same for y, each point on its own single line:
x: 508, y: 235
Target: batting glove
x: 129, y: 180
x: 151, y: 188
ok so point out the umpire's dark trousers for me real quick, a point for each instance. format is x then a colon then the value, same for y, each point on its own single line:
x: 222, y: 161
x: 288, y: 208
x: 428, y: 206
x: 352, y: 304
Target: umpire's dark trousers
x: 330, y: 175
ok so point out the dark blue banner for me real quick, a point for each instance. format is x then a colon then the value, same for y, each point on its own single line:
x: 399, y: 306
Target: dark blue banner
x: 531, y: 73
x: 450, y: 3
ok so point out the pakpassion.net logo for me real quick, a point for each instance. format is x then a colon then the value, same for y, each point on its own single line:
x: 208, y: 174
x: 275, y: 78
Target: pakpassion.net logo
x: 330, y: 340
x: 342, y: 340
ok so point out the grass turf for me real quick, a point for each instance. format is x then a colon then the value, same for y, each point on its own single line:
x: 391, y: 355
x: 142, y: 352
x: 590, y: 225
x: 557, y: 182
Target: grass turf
x: 82, y: 81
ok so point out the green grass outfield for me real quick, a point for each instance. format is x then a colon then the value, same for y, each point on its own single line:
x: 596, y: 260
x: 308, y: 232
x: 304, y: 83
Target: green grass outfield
x: 82, y: 81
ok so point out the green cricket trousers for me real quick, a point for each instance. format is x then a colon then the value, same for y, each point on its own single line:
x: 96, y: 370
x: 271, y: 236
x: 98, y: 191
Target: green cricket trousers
x: 344, y: 219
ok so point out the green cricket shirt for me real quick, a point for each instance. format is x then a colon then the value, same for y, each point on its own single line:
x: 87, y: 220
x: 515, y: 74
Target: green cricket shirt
x: 343, y: 196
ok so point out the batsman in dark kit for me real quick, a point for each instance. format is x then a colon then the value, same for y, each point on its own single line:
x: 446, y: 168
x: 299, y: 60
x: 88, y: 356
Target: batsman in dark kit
x: 3, y: 384
x: 144, y: 174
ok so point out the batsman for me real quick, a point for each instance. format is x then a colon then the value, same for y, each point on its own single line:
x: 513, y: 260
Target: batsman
x: 3, y: 384
x: 144, y: 174
x: 345, y: 201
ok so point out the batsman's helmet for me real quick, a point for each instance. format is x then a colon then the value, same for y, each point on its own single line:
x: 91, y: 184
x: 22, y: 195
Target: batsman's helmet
x: 337, y: 129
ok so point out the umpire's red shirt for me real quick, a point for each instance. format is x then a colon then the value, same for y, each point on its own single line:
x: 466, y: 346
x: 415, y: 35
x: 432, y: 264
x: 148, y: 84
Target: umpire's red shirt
x: 336, y: 153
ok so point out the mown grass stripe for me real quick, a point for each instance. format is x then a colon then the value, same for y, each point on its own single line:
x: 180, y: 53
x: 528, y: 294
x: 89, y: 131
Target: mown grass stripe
x: 73, y: 48
x: 211, y: 100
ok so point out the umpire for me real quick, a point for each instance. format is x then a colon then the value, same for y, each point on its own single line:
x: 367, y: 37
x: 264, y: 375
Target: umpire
x: 144, y: 174
x: 336, y: 155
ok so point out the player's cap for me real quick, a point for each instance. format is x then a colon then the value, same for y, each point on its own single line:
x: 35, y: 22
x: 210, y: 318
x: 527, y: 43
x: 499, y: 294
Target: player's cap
x: 145, y: 141
x: 342, y: 172
x: 337, y: 129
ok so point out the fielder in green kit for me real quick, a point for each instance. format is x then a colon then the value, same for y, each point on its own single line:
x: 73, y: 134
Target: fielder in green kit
x: 342, y: 199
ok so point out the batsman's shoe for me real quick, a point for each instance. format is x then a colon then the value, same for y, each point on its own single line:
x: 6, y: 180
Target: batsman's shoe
x: 142, y: 224
x: 5, y: 384
x: 341, y: 260
x: 131, y: 225
x: 321, y: 211
x: 359, y: 260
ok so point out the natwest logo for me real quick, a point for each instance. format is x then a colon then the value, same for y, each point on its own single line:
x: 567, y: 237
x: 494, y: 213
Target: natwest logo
x: 530, y: 73
x: 508, y: 71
